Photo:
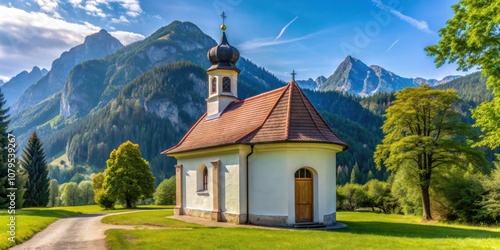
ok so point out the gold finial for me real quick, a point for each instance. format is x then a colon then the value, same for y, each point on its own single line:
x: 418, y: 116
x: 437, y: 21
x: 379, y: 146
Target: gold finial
x: 223, y: 26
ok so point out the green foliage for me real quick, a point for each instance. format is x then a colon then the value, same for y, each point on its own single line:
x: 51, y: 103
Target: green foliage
x: 379, y: 196
x: 351, y: 196
x: 53, y: 193
x: 4, y: 152
x: 86, y: 192
x: 405, y: 189
x: 165, y: 192
x: 459, y: 193
x: 470, y: 88
x: 97, y: 181
x: 127, y: 177
x: 70, y: 194
x: 491, y: 199
x: 33, y: 161
x: 425, y: 134
x: 104, y: 199
x: 471, y: 38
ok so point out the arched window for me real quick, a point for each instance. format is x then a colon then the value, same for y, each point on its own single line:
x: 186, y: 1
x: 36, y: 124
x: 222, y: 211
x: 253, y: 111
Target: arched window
x: 213, y: 89
x: 205, y: 179
x: 226, y: 84
x: 303, y: 173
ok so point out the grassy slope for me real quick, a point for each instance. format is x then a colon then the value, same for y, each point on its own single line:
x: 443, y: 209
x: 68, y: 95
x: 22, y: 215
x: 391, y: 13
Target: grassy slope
x: 32, y: 220
x: 365, y: 231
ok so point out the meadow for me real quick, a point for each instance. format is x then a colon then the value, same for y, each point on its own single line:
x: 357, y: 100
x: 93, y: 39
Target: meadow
x: 365, y: 231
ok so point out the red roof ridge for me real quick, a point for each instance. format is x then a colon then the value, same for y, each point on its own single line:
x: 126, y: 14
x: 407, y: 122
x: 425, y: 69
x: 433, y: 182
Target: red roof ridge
x: 270, y: 110
x: 303, y: 97
x: 186, y: 135
x: 289, y: 110
x: 259, y: 95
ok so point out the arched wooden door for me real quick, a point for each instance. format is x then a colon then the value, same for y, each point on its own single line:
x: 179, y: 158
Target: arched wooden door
x: 303, y: 195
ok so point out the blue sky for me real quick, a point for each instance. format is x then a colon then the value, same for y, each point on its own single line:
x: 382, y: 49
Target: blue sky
x: 310, y: 37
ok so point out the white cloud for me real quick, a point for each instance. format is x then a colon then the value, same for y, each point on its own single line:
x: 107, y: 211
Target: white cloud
x: 75, y: 2
x: 127, y: 37
x: 421, y: 25
x: 30, y: 39
x: 392, y: 45
x: 264, y: 42
x: 284, y: 28
x: 99, y: 8
x: 49, y: 6
x: 122, y: 19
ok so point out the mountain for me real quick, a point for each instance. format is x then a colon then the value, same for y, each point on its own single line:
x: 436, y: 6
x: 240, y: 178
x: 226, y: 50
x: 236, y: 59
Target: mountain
x: 95, y: 46
x: 434, y: 82
x: 311, y: 84
x: 470, y: 88
x: 1, y: 82
x: 13, y: 89
x: 354, y: 77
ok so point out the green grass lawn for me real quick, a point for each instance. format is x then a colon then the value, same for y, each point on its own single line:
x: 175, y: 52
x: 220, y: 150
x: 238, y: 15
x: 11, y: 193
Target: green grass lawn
x: 151, y: 218
x: 364, y: 231
x: 32, y: 220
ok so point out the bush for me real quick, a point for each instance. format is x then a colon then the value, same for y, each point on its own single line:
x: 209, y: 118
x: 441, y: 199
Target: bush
x: 352, y: 196
x: 165, y: 192
x: 379, y: 196
x: 103, y: 199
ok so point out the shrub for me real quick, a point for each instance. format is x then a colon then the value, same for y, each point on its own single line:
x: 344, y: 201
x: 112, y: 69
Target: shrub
x: 165, y: 192
x: 352, y: 195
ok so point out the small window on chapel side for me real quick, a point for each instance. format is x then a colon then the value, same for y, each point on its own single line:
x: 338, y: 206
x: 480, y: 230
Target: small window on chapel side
x: 226, y: 84
x: 205, y: 179
x: 213, y: 89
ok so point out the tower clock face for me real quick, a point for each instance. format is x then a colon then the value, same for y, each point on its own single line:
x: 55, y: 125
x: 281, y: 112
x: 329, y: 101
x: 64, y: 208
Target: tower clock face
x: 226, y: 84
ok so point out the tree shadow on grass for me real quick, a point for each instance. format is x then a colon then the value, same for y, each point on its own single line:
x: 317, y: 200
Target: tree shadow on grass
x: 56, y: 213
x: 415, y: 230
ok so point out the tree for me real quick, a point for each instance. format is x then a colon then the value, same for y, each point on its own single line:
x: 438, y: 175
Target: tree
x: 33, y: 161
x: 4, y: 153
x: 352, y: 196
x: 100, y: 196
x: 70, y: 194
x: 491, y: 200
x: 165, y: 192
x: 471, y: 38
x: 424, y: 134
x: 127, y: 177
x: 86, y: 192
x: 53, y: 192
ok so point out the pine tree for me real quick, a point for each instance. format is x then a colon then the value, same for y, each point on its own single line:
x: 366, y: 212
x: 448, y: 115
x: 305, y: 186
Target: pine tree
x: 4, y: 141
x: 33, y: 161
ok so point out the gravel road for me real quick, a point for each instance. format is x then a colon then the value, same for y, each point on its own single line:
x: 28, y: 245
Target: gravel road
x: 80, y: 232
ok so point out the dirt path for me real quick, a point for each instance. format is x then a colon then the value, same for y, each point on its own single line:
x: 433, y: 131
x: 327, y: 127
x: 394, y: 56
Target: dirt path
x: 80, y: 232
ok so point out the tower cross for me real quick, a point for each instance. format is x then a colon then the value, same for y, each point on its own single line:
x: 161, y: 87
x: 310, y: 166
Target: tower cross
x: 223, y: 15
x: 293, y: 75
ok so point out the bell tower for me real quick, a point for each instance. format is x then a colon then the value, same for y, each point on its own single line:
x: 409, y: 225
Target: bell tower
x: 222, y: 75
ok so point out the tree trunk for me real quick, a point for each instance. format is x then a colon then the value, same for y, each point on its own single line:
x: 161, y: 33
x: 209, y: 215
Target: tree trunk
x: 426, y: 204
x: 129, y: 204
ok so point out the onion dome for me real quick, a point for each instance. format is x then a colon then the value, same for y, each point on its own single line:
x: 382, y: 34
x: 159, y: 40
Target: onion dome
x: 223, y: 56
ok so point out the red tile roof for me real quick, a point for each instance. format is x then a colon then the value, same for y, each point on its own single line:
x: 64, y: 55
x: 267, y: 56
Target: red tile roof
x: 280, y: 115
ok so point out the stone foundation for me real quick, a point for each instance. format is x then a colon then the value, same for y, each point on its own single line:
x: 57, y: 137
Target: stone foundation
x: 330, y: 219
x: 269, y: 220
x: 206, y: 214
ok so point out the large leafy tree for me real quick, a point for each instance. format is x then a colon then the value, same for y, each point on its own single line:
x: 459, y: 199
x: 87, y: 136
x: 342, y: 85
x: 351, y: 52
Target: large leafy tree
x: 127, y: 176
x: 471, y: 39
x: 424, y: 134
x: 33, y: 161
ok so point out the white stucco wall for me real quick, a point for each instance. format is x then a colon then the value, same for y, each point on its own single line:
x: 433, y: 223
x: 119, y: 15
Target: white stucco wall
x: 272, y: 181
x: 229, y: 183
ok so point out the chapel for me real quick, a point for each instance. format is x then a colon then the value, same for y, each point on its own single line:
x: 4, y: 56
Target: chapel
x: 267, y: 160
